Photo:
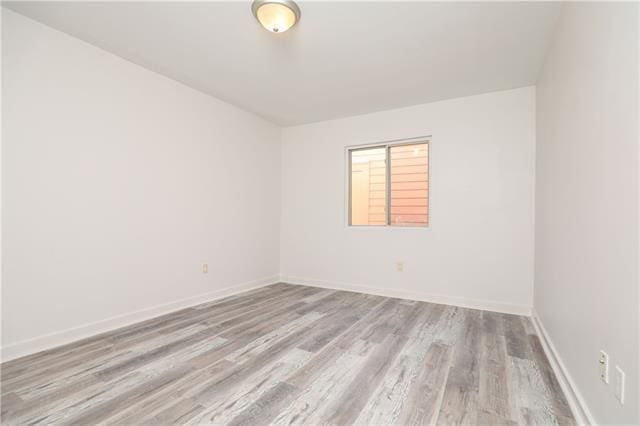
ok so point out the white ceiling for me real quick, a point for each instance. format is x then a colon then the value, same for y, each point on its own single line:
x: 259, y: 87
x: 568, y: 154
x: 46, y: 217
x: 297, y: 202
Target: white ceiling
x: 343, y: 58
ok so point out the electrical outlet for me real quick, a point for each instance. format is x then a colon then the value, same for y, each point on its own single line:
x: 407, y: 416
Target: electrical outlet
x: 604, y: 367
x: 620, y: 379
x: 399, y: 266
x: 205, y: 268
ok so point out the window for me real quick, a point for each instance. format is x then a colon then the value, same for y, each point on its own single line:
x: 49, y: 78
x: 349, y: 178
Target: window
x: 389, y: 185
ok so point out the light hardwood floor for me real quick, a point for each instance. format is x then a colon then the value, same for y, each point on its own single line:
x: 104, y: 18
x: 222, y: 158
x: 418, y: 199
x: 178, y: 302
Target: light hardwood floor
x: 288, y: 354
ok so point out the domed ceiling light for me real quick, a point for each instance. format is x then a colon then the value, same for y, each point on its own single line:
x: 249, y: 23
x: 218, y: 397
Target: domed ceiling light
x: 276, y: 16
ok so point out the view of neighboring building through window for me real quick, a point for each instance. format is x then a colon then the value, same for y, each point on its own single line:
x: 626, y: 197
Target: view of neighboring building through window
x: 389, y: 185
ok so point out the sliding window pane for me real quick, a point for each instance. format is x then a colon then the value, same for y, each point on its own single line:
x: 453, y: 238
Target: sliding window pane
x: 409, y: 185
x: 368, y: 187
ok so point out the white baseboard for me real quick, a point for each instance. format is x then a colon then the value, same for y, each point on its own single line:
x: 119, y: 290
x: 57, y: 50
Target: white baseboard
x: 423, y: 297
x: 574, y: 397
x: 51, y: 340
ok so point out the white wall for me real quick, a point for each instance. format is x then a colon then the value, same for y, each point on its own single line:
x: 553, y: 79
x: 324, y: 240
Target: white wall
x: 586, y: 275
x: 478, y: 250
x: 117, y: 184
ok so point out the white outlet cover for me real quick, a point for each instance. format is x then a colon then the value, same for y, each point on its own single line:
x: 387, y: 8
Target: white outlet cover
x: 620, y: 384
x: 604, y: 367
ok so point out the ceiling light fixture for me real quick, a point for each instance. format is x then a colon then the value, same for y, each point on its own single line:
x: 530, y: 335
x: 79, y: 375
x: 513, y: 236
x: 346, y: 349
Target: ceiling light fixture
x: 276, y: 16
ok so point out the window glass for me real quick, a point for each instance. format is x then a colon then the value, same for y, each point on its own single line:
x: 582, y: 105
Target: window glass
x: 409, y: 185
x: 368, y: 186
x: 389, y: 185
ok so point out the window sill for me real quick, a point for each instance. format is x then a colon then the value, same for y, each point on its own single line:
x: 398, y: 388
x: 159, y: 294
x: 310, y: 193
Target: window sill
x: 378, y: 227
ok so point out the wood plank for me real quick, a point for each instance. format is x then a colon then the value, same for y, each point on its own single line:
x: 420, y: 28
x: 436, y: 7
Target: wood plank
x: 561, y: 407
x: 530, y: 394
x: 460, y: 400
x: 395, y: 392
x: 347, y: 405
x: 147, y: 409
x: 493, y: 393
x: 228, y: 405
x: 425, y: 395
x: 287, y: 354
x: 266, y: 407
x: 516, y: 337
x: 177, y: 413
x: 99, y: 412
x: 312, y: 401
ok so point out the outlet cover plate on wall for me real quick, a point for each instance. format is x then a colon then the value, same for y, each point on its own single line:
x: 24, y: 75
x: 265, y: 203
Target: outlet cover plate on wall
x: 604, y: 367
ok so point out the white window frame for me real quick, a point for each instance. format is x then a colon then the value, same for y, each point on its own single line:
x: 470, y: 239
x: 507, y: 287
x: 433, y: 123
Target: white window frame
x: 387, y: 145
